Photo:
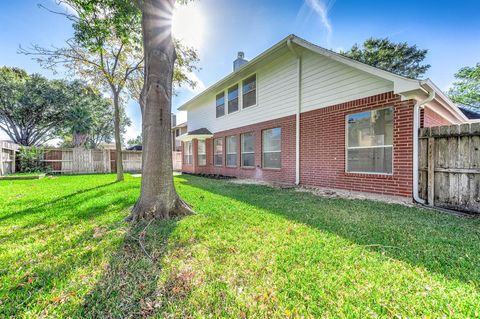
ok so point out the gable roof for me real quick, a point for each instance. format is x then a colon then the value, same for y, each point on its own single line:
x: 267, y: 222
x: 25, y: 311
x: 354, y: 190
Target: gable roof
x: 401, y: 84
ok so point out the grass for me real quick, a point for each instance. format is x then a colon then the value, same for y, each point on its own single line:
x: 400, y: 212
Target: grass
x: 249, y: 252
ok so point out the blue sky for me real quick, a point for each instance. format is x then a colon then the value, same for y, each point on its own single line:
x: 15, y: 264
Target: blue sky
x: 450, y: 30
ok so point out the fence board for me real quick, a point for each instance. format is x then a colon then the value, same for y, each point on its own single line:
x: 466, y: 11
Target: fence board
x: 450, y: 166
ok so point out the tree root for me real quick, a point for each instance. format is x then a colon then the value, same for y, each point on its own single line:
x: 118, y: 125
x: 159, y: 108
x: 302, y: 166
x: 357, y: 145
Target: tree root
x: 181, y: 209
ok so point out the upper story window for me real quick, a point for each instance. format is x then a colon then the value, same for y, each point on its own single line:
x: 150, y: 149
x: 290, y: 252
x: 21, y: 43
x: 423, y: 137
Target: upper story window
x: 187, y: 152
x: 201, y: 153
x: 231, y: 151
x: 249, y: 91
x: 370, y: 141
x: 218, y: 152
x: 220, y: 104
x: 233, y: 99
x: 248, y: 149
x: 271, y: 148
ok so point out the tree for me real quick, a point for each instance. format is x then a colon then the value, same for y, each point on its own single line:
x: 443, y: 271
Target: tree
x: 399, y: 58
x: 158, y: 198
x: 466, y: 88
x: 32, y: 108
x: 135, y: 141
x: 89, y: 120
x: 106, y: 50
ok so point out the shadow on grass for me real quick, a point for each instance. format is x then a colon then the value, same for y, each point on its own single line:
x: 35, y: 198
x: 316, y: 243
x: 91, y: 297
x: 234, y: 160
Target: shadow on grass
x: 443, y: 244
x: 128, y: 285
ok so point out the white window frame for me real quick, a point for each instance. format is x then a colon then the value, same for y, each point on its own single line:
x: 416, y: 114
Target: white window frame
x: 204, y: 154
x: 229, y: 153
x: 363, y: 147
x: 263, y: 151
x: 243, y: 152
x: 238, y: 98
x: 215, y: 154
x: 256, y: 90
x: 187, y: 153
x: 224, y: 104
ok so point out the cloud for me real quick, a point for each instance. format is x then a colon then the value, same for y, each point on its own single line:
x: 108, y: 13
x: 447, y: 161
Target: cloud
x: 200, y: 87
x: 321, y: 8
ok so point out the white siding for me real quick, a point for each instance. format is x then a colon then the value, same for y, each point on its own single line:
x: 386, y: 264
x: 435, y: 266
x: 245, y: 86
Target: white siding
x: 324, y: 82
x: 276, y: 97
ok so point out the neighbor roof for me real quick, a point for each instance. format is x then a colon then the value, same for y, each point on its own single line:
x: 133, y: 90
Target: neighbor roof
x: 401, y: 84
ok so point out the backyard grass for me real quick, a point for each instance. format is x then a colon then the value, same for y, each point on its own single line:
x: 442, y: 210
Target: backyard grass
x: 249, y: 252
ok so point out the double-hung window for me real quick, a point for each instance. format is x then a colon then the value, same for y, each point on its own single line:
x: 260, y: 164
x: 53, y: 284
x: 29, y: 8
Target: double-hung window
x: 201, y: 153
x: 271, y: 148
x: 233, y: 99
x: 248, y: 149
x: 218, y: 152
x: 249, y: 91
x: 231, y: 151
x: 370, y: 141
x: 220, y: 104
x: 187, y: 152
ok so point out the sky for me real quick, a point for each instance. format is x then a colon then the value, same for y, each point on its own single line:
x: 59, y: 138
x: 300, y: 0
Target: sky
x: 218, y: 29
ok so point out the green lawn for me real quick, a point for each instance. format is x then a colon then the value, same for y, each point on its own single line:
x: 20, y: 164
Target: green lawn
x: 249, y: 252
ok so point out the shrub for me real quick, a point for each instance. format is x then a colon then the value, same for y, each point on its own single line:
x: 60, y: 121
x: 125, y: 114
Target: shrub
x: 30, y: 159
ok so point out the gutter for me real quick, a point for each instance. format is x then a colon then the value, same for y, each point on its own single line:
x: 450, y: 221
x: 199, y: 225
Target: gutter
x: 298, y: 109
x: 416, y: 126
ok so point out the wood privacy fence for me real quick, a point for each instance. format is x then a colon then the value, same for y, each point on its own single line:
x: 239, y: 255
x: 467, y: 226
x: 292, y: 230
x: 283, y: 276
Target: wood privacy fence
x: 450, y: 166
x: 81, y: 160
x: 7, y: 157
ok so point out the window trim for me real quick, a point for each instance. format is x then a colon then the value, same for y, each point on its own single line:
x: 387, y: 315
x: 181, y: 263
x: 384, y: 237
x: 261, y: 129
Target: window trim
x: 227, y: 153
x: 205, y: 152
x: 242, y: 152
x: 238, y: 98
x: 256, y: 90
x: 280, y: 151
x: 365, y: 147
x: 215, y: 151
x: 224, y: 104
x: 189, y: 154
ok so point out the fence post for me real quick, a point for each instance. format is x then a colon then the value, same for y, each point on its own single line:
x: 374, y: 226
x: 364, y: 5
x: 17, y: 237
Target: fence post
x: 431, y: 171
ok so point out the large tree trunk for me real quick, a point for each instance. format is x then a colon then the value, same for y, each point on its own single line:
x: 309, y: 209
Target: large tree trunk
x: 158, y: 198
x: 118, y: 141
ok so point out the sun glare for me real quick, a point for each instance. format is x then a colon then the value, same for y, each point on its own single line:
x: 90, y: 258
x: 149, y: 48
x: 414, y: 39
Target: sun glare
x: 189, y: 24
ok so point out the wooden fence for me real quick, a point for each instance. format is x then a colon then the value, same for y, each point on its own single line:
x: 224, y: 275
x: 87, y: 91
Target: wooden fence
x: 80, y: 160
x: 7, y: 157
x: 450, y: 166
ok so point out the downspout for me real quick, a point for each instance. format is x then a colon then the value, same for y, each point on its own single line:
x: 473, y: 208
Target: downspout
x: 298, y: 110
x: 416, y: 126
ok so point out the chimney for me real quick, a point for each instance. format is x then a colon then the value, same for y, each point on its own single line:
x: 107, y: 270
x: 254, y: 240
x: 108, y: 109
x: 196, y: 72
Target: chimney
x: 239, y: 61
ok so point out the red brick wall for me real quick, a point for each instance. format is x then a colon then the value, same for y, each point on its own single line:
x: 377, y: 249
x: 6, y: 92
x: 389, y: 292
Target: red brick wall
x: 285, y: 174
x: 322, y: 155
x: 430, y: 118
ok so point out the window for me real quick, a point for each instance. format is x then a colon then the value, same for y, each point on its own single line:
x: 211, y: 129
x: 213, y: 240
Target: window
x: 370, y: 141
x: 249, y: 90
x: 202, y: 153
x: 218, y: 152
x: 220, y: 104
x: 231, y: 151
x: 233, y: 99
x: 187, y: 152
x: 177, y: 132
x: 271, y: 148
x: 248, y: 150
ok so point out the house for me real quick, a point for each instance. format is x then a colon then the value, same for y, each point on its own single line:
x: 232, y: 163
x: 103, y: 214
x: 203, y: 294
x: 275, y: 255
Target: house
x: 301, y: 114
x: 177, y: 130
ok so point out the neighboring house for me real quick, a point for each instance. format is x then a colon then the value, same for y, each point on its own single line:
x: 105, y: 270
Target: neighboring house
x: 178, y: 130
x: 301, y: 114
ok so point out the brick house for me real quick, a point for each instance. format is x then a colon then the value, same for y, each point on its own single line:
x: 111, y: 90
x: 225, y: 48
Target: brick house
x: 301, y: 114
